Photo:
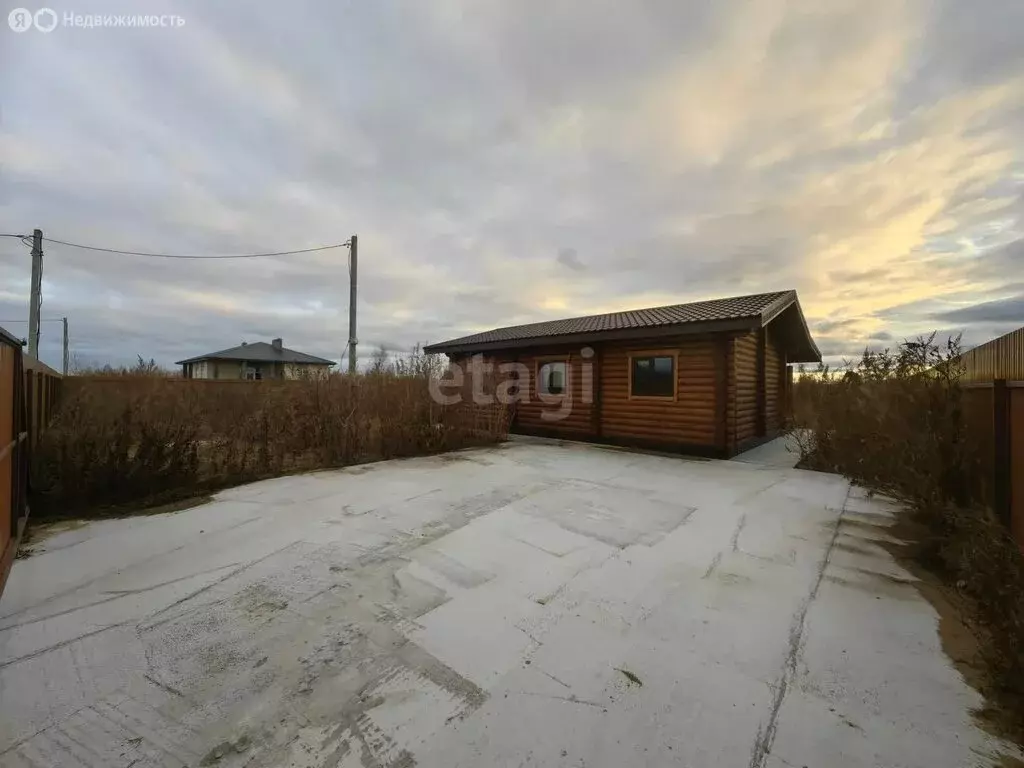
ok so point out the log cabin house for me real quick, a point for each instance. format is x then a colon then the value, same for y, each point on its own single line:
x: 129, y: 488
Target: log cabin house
x: 709, y: 378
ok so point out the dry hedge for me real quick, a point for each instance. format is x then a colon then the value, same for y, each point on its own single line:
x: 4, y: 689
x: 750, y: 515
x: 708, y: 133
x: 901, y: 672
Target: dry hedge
x: 899, y: 422
x: 135, y: 440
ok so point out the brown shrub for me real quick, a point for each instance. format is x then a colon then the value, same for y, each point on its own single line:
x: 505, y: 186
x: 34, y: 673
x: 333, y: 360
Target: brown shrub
x: 135, y: 440
x: 895, y: 422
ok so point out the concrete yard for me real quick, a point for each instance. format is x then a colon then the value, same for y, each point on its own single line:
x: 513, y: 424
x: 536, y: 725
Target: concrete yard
x: 533, y: 604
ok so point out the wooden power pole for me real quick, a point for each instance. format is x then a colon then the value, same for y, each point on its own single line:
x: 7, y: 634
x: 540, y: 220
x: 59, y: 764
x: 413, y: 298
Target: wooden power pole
x: 35, y: 296
x: 353, y: 267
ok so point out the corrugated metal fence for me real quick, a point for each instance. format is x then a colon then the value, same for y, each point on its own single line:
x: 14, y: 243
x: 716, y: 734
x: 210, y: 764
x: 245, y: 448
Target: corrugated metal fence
x: 996, y: 415
x: 1001, y: 358
x: 28, y: 396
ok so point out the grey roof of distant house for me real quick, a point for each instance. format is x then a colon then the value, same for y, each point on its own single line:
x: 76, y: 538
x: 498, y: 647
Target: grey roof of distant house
x: 260, y: 352
x: 695, y: 317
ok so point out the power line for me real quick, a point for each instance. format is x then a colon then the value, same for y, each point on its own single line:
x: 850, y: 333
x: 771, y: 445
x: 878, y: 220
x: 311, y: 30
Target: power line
x: 42, y: 320
x: 345, y: 244
x: 18, y: 236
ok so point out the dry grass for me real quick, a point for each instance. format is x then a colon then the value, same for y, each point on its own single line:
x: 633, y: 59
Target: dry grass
x: 138, y: 440
x: 899, y: 422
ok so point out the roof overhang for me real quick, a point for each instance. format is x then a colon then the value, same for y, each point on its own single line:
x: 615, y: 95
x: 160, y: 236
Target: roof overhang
x: 200, y: 359
x: 788, y: 321
x: 734, y: 325
x: 785, y: 316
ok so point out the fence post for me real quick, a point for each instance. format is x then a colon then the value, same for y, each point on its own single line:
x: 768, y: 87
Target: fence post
x: 28, y: 406
x: 1001, y: 450
x: 40, y: 385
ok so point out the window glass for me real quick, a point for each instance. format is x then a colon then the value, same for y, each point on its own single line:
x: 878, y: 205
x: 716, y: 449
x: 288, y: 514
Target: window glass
x: 653, y: 376
x: 551, y: 378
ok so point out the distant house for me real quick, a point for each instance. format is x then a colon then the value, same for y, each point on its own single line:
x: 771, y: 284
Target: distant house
x: 709, y: 377
x: 259, y: 360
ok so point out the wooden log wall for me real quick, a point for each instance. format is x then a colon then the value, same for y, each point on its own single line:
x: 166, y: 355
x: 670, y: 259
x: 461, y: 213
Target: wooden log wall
x: 744, y: 398
x: 774, y: 374
x: 577, y: 420
x: 689, y: 418
x: 575, y: 412
x: 729, y: 390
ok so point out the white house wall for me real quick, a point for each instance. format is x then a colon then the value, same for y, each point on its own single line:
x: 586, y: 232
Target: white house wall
x: 224, y: 369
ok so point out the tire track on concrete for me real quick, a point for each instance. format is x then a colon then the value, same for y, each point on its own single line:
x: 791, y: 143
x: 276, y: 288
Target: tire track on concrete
x: 114, y: 595
x: 142, y: 561
x: 136, y: 620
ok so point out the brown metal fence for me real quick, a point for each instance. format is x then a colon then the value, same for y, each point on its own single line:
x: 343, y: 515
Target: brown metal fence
x: 1001, y: 358
x: 995, y: 411
x: 28, y: 395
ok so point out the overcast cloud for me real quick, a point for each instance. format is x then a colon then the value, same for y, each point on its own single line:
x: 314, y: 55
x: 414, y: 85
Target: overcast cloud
x: 505, y: 162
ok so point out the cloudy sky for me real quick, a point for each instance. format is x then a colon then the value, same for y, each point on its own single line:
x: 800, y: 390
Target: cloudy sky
x: 505, y: 162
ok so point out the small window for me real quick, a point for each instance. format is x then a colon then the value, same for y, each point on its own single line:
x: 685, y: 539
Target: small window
x: 653, y: 376
x: 551, y: 378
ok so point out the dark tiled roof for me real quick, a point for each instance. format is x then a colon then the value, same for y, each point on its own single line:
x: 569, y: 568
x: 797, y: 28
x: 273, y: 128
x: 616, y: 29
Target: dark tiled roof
x: 761, y: 307
x: 260, y: 352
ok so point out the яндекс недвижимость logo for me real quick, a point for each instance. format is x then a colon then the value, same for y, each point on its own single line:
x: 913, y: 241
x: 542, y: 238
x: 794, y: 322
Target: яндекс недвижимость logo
x: 22, y: 19
x: 46, y: 20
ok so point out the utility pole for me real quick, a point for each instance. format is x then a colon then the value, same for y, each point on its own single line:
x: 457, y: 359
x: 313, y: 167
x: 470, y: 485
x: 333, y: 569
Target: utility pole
x: 35, y: 297
x: 65, y: 346
x: 353, y: 268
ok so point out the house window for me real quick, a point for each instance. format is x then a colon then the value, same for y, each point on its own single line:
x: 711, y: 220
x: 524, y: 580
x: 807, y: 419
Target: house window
x: 652, y: 376
x: 551, y: 378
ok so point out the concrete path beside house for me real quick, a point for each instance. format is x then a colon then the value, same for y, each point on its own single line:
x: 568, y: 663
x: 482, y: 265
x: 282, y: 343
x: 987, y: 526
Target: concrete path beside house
x: 781, y: 453
x: 530, y: 604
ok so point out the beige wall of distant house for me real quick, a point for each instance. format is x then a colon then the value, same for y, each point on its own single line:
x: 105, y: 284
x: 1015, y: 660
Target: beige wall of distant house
x: 225, y: 369
x: 216, y: 369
